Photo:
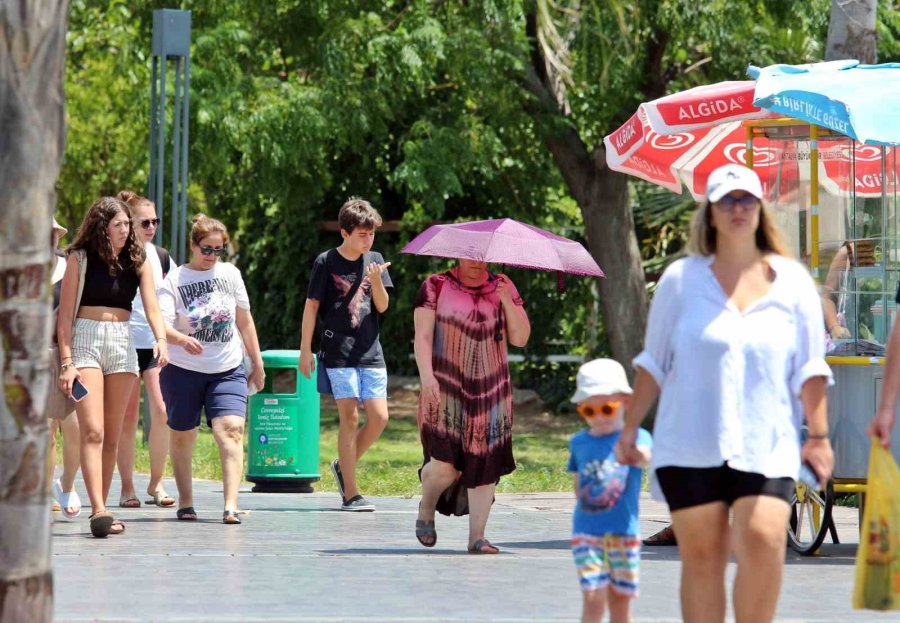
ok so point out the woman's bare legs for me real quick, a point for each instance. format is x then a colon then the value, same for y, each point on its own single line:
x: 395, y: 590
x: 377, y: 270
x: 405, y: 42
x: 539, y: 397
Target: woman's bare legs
x: 759, y: 539
x: 159, y: 430
x: 117, y: 390
x: 181, y: 446
x: 480, y: 500
x: 228, y: 431
x: 126, y: 453
x: 703, y: 542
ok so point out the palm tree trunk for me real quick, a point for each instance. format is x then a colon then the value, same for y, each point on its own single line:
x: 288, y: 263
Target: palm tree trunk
x: 851, y: 30
x: 32, y: 118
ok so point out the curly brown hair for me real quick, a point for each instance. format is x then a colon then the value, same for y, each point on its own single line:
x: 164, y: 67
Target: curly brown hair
x: 92, y: 236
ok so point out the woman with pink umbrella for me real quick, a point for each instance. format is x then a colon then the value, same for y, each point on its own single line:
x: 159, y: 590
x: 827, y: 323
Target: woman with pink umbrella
x: 464, y: 319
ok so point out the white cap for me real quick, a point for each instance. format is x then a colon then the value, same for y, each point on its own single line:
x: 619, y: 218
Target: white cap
x: 731, y: 177
x: 600, y: 377
x: 59, y: 227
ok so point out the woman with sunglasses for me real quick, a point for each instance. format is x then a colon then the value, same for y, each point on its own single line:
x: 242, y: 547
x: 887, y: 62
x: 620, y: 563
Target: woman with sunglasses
x: 735, y: 351
x: 146, y: 222
x: 464, y: 320
x: 96, y: 348
x: 207, y: 311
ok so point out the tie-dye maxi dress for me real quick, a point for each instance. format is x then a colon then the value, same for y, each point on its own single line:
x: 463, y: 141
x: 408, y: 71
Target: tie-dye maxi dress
x: 471, y: 428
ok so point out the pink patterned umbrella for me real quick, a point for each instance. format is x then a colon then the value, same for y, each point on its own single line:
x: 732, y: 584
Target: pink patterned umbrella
x: 505, y: 241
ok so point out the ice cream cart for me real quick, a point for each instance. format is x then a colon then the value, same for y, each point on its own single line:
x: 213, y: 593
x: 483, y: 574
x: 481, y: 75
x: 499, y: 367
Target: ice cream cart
x: 838, y: 204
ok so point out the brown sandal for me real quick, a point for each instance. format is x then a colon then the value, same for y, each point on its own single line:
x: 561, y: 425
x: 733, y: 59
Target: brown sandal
x: 666, y: 536
x: 101, y: 522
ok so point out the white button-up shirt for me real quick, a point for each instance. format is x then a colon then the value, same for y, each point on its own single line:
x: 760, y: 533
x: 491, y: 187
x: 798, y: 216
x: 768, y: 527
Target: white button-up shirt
x: 730, y: 380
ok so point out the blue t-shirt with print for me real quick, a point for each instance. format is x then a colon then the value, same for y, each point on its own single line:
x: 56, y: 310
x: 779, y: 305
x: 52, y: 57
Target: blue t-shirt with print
x: 608, y: 492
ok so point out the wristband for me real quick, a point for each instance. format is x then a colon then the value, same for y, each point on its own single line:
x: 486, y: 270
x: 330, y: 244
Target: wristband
x: 162, y: 339
x: 821, y: 436
x: 63, y: 366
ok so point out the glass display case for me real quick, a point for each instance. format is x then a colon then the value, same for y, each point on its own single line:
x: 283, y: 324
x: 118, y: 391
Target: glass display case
x: 838, y: 204
x: 846, y: 228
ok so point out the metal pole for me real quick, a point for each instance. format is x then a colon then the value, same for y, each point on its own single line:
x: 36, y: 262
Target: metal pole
x: 814, y: 198
x: 177, y: 223
x: 182, y: 248
x: 161, y: 137
x: 153, y: 162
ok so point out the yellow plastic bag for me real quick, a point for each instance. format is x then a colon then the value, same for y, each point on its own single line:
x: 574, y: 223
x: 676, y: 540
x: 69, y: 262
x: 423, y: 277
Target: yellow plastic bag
x: 878, y: 557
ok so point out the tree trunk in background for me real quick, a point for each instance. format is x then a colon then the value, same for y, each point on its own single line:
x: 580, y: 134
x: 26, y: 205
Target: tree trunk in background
x: 851, y: 30
x: 32, y: 131
x: 602, y: 195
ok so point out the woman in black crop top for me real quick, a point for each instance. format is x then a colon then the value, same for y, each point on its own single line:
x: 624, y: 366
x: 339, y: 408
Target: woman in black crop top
x: 95, y: 343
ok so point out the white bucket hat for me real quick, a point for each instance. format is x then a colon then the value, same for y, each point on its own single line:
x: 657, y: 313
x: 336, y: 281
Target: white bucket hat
x: 599, y: 377
x: 731, y: 177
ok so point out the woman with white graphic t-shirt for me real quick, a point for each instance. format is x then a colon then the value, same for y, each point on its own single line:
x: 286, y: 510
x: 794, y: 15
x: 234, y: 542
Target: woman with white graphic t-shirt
x: 207, y: 313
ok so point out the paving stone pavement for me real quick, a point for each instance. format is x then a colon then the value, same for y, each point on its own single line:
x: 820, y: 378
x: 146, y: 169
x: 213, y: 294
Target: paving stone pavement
x: 298, y: 558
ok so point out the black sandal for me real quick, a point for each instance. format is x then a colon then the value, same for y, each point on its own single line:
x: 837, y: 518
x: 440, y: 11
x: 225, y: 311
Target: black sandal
x: 425, y: 529
x: 186, y: 514
x: 230, y: 517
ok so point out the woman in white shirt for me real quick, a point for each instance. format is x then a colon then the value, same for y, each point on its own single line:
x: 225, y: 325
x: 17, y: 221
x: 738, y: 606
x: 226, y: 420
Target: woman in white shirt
x: 735, y: 351
x: 145, y: 224
x: 207, y: 314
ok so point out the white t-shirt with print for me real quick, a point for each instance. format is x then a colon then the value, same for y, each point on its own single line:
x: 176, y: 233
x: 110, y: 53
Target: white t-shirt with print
x: 203, y: 305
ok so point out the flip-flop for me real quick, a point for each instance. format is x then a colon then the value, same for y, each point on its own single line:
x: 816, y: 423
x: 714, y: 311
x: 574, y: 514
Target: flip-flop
x: 101, y: 522
x: 230, y: 517
x: 666, y: 536
x: 131, y: 501
x: 161, y: 498
x: 483, y: 546
x: 186, y: 514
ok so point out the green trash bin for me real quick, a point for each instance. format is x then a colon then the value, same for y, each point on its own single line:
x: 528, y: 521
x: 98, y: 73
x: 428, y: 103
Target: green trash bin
x: 283, y: 427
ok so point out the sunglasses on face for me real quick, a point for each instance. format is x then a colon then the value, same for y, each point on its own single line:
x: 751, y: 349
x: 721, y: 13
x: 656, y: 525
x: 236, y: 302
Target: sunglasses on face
x: 217, y: 251
x: 728, y: 203
x: 607, y: 409
x: 147, y: 223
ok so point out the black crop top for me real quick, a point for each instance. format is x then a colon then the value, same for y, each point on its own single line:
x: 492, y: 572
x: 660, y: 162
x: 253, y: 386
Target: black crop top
x: 103, y: 290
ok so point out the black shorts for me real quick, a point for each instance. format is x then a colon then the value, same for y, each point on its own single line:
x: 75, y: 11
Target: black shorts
x: 146, y: 360
x: 692, y: 486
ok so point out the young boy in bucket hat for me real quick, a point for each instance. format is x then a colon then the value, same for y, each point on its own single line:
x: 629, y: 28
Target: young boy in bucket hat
x: 605, y: 532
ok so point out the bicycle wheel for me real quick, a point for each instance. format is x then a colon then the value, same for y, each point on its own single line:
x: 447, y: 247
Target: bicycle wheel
x: 810, y: 517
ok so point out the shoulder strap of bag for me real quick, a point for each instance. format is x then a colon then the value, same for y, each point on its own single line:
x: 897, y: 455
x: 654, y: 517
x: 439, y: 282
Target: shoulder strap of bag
x: 81, y: 256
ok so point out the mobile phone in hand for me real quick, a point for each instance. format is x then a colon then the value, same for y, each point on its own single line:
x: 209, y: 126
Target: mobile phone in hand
x: 809, y: 476
x: 79, y: 391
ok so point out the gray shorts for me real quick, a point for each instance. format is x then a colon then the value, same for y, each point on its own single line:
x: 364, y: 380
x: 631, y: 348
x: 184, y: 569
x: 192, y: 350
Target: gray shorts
x: 104, y: 345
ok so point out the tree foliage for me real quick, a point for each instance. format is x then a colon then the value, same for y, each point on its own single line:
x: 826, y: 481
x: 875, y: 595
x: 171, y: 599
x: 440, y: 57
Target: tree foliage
x: 416, y: 105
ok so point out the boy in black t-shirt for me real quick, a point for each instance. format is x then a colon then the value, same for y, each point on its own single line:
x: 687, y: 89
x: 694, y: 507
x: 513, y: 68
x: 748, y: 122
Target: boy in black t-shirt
x: 348, y: 289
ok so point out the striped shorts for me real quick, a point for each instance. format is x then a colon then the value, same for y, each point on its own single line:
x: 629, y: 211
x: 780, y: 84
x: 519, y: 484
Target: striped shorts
x: 104, y: 344
x: 608, y: 560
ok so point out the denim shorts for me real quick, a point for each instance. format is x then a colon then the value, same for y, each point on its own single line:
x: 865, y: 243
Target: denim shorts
x: 360, y: 383
x: 187, y: 393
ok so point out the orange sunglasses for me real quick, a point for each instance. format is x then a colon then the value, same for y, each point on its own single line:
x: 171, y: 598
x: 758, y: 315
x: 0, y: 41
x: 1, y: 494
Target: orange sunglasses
x: 606, y: 409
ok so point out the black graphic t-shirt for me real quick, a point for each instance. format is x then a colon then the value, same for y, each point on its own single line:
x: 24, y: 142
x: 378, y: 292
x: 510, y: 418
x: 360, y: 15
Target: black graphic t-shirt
x: 349, y: 338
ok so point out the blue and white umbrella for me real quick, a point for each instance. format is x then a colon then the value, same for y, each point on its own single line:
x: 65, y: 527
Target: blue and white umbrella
x: 859, y: 101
